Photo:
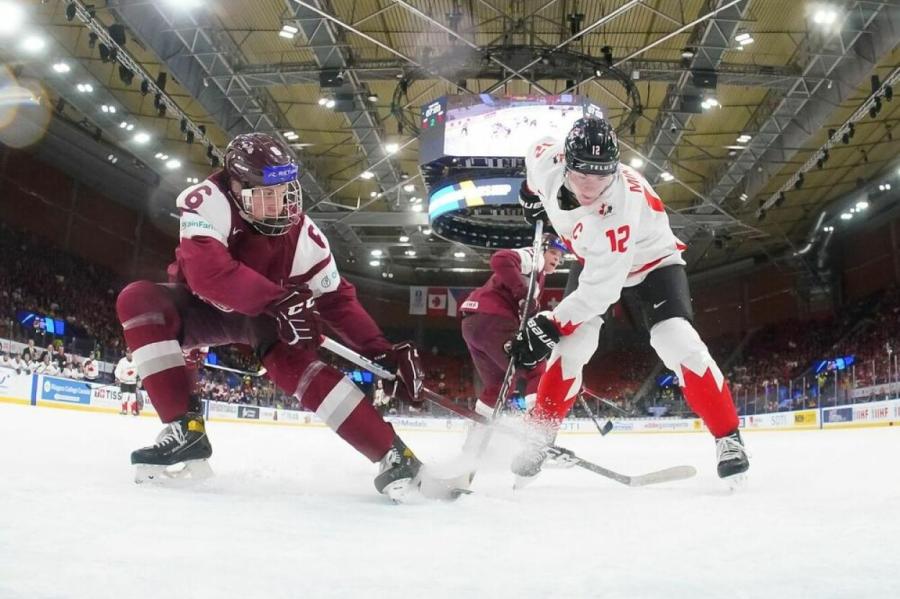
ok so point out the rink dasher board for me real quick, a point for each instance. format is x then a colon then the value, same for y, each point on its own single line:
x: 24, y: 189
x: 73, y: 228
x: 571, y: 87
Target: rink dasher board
x: 57, y: 392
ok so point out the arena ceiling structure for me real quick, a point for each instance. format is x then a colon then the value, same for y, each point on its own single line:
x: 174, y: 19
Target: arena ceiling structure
x: 760, y: 122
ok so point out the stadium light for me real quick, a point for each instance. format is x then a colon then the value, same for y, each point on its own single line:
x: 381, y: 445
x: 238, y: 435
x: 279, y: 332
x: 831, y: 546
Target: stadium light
x: 459, y: 254
x: 825, y: 16
x: 374, y: 262
x: 862, y: 205
x: 329, y: 103
x: 323, y: 101
x: 141, y: 137
x: 288, y: 32
x: 426, y: 231
x: 61, y: 67
x: 416, y: 208
x: 373, y: 194
x: 173, y: 164
x: 392, y: 148
x: 85, y: 88
x: 846, y: 215
x: 367, y: 175
x: 636, y: 162
x: 33, y: 44
x: 404, y: 239
x: 666, y: 176
x: 409, y: 188
x: 410, y: 253
x: 11, y: 17
x: 377, y: 253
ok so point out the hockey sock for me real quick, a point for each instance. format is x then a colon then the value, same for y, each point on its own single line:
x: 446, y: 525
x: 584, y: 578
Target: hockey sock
x: 151, y: 324
x: 555, y: 395
x: 334, y: 399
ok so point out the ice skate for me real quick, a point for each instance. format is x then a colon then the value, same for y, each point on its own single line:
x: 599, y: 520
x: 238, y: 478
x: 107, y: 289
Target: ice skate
x: 181, y: 451
x: 732, y: 457
x: 398, y: 473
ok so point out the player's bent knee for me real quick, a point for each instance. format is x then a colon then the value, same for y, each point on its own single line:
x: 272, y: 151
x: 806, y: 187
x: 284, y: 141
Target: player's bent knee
x: 677, y: 342
x: 144, y: 303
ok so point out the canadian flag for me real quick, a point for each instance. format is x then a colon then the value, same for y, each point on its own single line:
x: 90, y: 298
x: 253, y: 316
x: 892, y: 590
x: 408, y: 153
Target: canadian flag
x: 437, y: 301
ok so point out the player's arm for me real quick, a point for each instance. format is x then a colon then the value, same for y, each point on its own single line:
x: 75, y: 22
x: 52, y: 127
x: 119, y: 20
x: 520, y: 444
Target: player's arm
x: 119, y: 372
x: 511, y: 267
x: 208, y: 267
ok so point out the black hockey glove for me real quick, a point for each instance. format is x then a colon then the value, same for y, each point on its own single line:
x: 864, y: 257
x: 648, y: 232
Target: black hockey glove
x: 536, y: 342
x: 532, y: 207
x: 296, y: 318
x: 403, y: 360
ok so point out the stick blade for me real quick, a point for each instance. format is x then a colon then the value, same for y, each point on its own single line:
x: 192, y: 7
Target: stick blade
x: 662, y: 476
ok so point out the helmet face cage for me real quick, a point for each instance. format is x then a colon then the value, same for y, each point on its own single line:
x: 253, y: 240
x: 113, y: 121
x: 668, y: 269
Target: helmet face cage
x: 273, y: 209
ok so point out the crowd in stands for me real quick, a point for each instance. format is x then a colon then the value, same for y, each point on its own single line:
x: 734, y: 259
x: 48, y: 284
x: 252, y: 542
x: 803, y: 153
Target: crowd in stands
x: 772, y: 371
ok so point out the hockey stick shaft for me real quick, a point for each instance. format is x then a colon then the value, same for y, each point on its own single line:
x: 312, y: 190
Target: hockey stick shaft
x: 603, y: 430
x: 605, y: 402
x: 259, y: 372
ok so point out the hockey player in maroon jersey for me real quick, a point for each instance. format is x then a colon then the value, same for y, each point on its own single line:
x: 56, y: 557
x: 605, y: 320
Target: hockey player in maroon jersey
x: 252, y: 269
x: 617, y: 227
x: 491, y: 316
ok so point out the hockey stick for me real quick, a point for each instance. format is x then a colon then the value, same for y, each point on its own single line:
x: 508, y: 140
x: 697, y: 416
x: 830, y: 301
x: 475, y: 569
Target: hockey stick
x: 604, y: 430
x: 640, y: 480
x: 258, y: 373
x: 606, y: 402
x: 523, y: 316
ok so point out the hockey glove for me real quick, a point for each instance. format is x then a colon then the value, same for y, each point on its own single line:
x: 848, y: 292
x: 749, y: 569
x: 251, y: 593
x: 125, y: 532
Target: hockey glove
x: 403, y: 360
x: 296, y: 318
x: 532, y: 207
x: 536, y: 342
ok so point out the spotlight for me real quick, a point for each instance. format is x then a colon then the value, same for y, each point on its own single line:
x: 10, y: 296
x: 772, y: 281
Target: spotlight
x: 845, y: 138
x: 760, y: 215
x: 744, y: 138
x: 182, y: 125
x: 104, y: 52
x: 372, y: 98
x: 799, y: 183
x: 851, y: 129
x: 161, y: 81
x: 71, y: 11
x: 780, y: 199
x: 888, y: 93
x: 145, y: 87
x: 189, y: 137
x: 126, y: 75
x: 607, y: 55
x: 688, y: 53
x: 33, y: 44
x: 157, y: 100
x: 744, y: 197
x: 162, y: 110
x: 92, y: 40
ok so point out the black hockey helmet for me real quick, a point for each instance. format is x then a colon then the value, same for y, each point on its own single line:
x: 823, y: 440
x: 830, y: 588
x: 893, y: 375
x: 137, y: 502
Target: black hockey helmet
x: 592, y: 147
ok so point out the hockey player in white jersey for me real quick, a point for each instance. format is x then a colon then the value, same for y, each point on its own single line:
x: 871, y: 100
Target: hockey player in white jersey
x: 127, y: 377
x: 617, y: 227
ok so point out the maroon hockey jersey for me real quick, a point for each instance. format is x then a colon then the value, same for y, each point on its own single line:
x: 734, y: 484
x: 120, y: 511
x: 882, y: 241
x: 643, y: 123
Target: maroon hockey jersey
x: 227, y: 263
x: 507, y: 286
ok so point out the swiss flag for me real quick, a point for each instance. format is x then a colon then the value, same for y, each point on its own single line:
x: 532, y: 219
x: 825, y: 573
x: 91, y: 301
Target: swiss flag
x: 437, y: 301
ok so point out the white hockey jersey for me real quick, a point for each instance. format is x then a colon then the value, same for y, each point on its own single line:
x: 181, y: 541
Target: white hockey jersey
x: 619, y: 239
x: 126, y: 372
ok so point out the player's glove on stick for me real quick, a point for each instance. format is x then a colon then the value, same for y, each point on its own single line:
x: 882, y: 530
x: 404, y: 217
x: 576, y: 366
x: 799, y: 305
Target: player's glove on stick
x: 535, y: 343
x: 296, y: 318
x: 403, y: 360
x: 532, y: 207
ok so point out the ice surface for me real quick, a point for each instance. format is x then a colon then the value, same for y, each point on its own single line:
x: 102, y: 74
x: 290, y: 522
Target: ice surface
x: 293, y: 513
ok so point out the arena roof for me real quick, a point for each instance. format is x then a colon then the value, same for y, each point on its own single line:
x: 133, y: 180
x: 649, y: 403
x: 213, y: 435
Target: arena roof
x: 233, y: 66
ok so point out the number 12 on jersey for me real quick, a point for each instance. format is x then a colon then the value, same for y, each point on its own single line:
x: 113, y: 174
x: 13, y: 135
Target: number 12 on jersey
x: 618, y: 238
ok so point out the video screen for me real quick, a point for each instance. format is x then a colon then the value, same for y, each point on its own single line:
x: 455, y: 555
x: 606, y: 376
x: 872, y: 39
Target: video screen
x: 482, y: 125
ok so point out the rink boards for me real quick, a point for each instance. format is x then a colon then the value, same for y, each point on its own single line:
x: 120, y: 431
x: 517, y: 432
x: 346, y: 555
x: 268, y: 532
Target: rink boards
x: 57, y: 392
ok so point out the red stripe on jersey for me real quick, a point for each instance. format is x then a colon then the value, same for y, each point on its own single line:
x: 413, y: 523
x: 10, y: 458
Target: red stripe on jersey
x: 680, y: 246
x: 653, y: 201
x: 316, y: 269
x: 647, y: 266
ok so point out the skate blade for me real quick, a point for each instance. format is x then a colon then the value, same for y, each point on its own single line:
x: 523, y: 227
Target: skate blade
x: 192, y: 470
x: 736, y: 482
x: 522, y: 481
x: 404, y: 490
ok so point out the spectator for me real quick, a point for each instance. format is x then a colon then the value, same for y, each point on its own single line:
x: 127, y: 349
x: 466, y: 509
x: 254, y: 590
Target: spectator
x: 89, y: 370
x: 29, y: 351
x: 47, y: 366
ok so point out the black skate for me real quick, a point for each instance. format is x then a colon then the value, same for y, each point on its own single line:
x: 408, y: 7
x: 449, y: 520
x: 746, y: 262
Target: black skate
x: 398, y: 472
x: 732, y: 456
x: 183, y: 441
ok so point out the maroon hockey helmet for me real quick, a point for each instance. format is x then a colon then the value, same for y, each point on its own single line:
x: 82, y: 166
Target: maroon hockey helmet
x: 270, y: 198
